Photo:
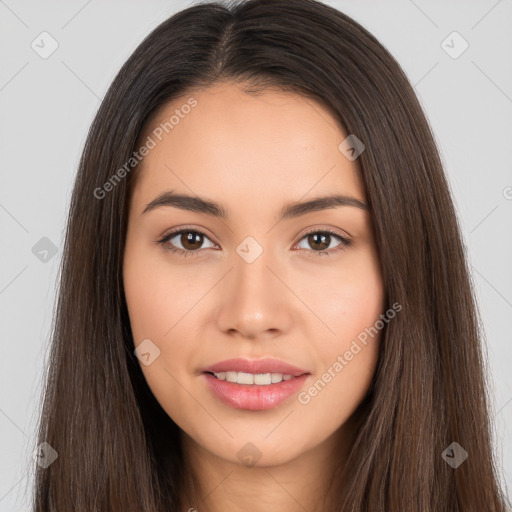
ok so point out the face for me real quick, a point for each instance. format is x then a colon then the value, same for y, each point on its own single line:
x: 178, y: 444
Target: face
x: 287, y: 296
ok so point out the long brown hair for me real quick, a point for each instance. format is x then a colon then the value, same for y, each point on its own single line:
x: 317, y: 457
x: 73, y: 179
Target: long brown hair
x: 117, y: 448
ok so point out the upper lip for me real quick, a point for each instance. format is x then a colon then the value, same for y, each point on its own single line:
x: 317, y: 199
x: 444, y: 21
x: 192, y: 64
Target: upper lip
x: 267, y: 365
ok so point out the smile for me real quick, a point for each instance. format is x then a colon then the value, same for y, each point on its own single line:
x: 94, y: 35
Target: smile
x: 253, y: 392
x: 256, y: 379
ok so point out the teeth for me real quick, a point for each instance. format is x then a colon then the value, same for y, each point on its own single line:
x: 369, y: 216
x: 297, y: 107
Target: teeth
x: 263, y: 379
x: 258, y: 379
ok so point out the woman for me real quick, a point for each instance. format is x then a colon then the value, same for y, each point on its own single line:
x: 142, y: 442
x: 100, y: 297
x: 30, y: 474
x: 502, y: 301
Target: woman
x: 264, y: 303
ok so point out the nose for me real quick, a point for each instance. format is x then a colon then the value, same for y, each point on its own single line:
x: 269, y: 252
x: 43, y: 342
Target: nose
x: 255, y: 302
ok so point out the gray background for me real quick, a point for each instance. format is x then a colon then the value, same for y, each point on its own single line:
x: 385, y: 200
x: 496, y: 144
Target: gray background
x: 48, y: 104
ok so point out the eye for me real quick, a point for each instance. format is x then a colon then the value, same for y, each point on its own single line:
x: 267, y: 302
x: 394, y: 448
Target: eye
x: 322, y: 240
x: 190, y: 240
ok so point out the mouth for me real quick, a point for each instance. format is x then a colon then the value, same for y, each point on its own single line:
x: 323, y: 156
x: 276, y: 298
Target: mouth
x: 259, y: 370
x: 254, y: 385
x: 253, y: 379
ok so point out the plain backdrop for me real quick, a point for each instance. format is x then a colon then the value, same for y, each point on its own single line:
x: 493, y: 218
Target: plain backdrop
x: 48, y: 102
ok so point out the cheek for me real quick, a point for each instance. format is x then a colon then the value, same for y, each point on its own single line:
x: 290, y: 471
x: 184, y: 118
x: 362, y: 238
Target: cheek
x: 149, y: 302
x: 362, y: 303
x: 347, y: 354
x: 159, y: 298
x: 157, y: 294
x: 348, y: 297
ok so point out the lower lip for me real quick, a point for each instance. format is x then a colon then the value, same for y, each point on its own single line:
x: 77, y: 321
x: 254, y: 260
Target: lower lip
x: 253, y: 397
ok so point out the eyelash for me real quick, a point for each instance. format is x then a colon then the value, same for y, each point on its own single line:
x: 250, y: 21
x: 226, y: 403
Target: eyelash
x: 345, y: 242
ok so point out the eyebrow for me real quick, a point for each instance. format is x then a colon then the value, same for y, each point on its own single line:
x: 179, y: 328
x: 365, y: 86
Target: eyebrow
x: 290, y: 210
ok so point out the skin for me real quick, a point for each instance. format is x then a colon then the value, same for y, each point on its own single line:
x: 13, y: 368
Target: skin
x: 254, y: 154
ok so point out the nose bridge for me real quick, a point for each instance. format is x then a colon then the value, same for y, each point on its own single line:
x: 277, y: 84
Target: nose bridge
x: 253, y: 284
x: 253, y: 300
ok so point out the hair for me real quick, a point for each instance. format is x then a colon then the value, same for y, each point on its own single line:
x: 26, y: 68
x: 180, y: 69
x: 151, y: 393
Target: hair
x: 117, y: 448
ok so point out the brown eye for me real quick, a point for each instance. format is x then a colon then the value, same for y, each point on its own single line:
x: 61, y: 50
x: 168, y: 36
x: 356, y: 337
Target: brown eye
x: 191, y: 240
x: 185, y: 241
x: 320, y: 242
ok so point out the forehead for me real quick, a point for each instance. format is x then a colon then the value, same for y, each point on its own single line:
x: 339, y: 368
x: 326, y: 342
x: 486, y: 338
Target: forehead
x: 228, y: 144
